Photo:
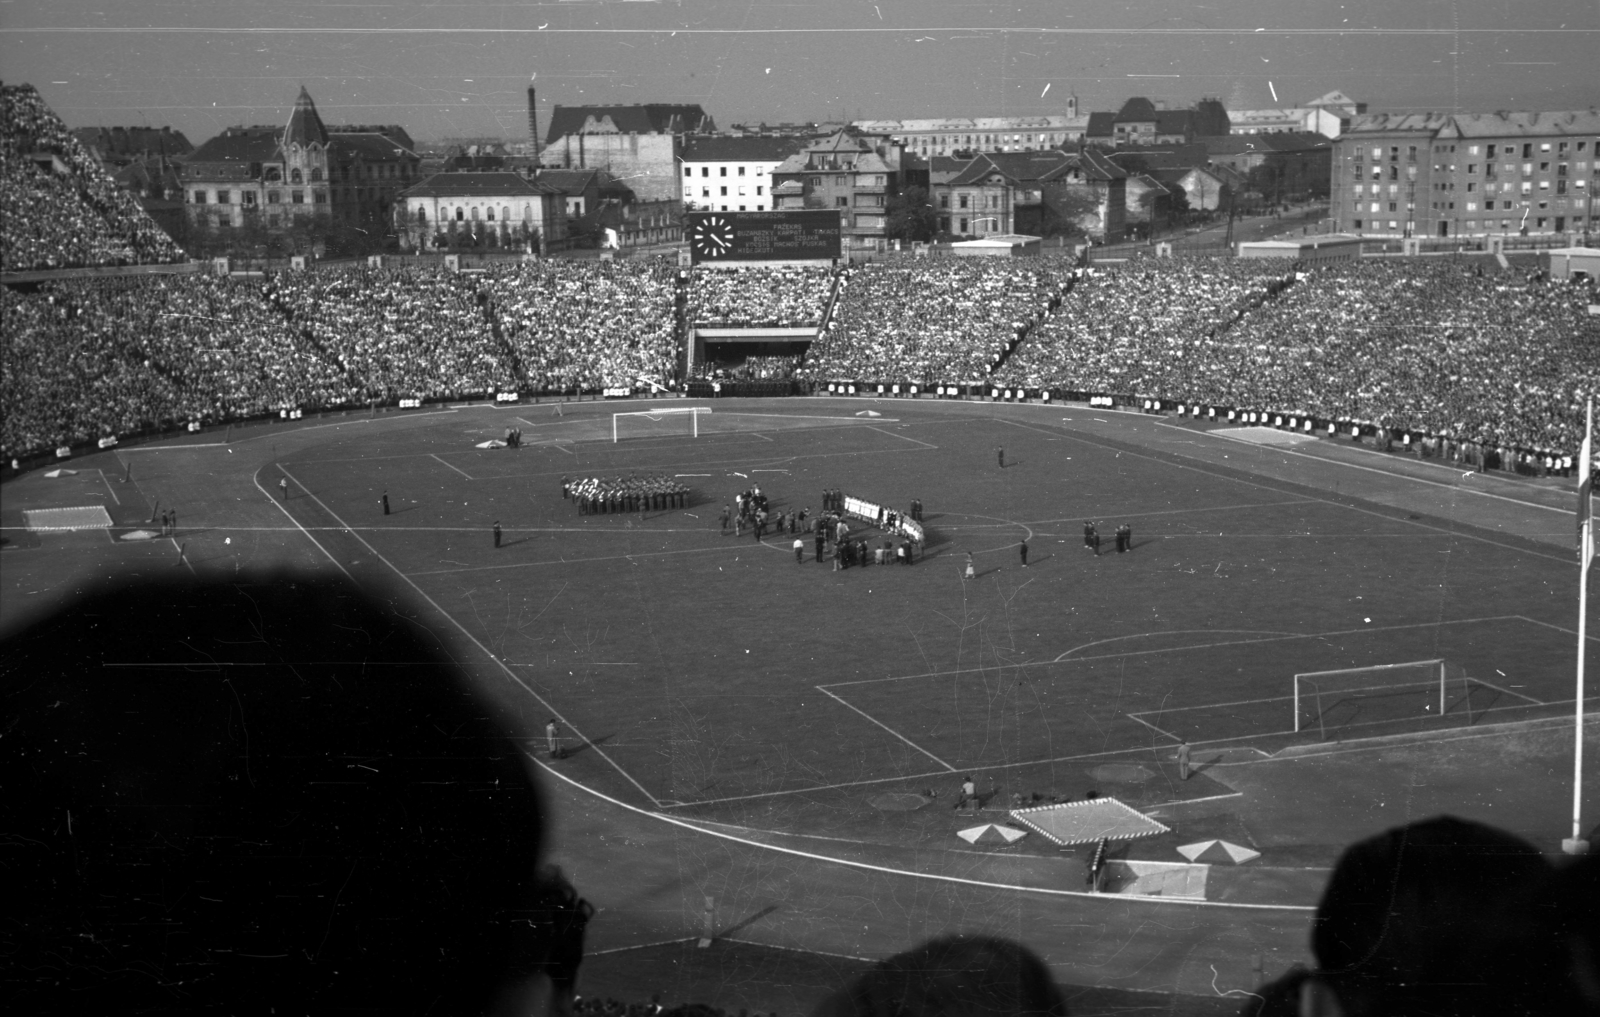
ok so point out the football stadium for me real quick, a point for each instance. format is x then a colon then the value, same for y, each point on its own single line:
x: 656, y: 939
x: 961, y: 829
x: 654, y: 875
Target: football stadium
x: 1095, y: 605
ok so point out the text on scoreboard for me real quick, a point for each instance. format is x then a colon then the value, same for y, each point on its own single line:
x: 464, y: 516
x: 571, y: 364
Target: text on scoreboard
x: 811, y: 234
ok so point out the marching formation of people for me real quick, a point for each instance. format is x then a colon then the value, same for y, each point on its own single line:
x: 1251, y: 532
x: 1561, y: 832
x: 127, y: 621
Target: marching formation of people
x: 630, y: 494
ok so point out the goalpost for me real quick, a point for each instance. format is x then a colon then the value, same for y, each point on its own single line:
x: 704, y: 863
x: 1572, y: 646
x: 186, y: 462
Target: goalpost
x: 1313, y: 690
x: 667, y: 420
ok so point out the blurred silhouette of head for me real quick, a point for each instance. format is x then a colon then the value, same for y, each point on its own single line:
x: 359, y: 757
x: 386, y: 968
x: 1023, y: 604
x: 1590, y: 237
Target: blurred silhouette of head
x: 265, y: 795
x: 1399, y: 928
x: 953, y: 976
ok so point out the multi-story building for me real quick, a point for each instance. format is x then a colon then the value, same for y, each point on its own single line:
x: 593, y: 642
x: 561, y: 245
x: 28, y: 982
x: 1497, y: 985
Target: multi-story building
x: 639, y: 144
x: 1143, y: 122
x: 1326, y: 115
x: 854, y: 173
x: 483, y: 209
x: 1472, y: 174
x: 298, y: 172
x: 1033, y: 193
x: 949, y: 135
x: 732, y: 174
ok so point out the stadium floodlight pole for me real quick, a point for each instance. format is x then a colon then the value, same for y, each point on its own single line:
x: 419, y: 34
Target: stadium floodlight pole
x: 1576, y: 845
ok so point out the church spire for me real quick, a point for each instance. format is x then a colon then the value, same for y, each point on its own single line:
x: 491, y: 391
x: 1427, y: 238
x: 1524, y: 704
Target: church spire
x: 305, y: 126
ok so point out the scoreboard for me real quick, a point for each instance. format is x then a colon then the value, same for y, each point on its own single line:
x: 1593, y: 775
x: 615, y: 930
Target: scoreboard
x: 808, y: 235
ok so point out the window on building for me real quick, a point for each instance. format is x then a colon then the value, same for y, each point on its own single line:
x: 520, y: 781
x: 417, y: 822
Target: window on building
x: 490, y: 213
x: 722, y: 171
x: 461, y: 214
x: 1356, y: 223
x: 758, y: 193
x: 274, y: 197
x: 963, y: 200
x: 705, y: 192
x: 248, y: 199
x: 1527, y: 150
x: 199, y: 197
x: 705, y: 171
x: 316, y: 176
x: 724, y: 190
x: 297, y: 197
x: 688, y: 171
x: 841, y: 201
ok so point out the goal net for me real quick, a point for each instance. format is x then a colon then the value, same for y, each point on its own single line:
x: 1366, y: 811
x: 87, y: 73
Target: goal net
x: 657, y: 422
x: 1325, y: 700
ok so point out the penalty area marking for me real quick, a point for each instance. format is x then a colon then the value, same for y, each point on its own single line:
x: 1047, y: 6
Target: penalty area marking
x: 443, y: 463
x: 1175, y: 649
x: 869, y: 867
x: 901, y: 436
x: 886, y: 727
x: 281, y: 508
x: 474, y: 640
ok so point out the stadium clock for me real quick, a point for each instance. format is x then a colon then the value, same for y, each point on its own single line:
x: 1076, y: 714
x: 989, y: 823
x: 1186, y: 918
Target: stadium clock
x: 712, y: 236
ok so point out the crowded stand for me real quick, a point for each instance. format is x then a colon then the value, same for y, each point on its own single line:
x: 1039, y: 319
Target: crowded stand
x: 1126, y: 329
x: 1428, y: 346
x: 791, y: 296
x: 951, y: 320
x: 59, y: 208
x: 1492, y: 368
x: 584, y: 325
x: 396, y: 333
x: 88, y: 358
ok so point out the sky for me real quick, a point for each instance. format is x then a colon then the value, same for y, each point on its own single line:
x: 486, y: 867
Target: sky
x: 460, y: 68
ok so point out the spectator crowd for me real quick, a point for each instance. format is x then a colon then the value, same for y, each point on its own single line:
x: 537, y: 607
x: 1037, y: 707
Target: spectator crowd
x: 59, y: 208
x: 1420, y: 345
x: 790, y: 296
x: 952, y: 319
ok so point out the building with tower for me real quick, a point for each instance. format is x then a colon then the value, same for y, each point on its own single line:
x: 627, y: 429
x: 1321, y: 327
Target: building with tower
x: 299, y: 173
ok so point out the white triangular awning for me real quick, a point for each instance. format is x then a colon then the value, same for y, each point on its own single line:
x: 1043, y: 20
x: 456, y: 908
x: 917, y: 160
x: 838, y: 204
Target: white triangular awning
x: 990, y: 832
x: 1217, y: 851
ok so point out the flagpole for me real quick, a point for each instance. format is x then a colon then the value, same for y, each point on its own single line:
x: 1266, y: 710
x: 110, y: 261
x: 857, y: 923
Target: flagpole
x: 1577, y: 845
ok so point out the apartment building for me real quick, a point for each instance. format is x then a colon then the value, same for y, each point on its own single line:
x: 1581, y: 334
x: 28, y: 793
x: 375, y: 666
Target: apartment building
x: 1467, y: 174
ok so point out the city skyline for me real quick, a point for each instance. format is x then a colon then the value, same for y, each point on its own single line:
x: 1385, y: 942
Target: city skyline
x: 462, y: 71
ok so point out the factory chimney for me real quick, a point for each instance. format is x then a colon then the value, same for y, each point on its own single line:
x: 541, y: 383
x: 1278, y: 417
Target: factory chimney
x: 533, y: 122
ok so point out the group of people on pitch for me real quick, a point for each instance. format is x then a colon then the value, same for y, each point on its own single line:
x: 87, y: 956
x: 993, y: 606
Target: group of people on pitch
x: 601, y: 495
x: 1091, y: 539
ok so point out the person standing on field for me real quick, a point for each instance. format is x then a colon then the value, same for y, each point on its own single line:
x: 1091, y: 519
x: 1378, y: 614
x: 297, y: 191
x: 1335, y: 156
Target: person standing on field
x: 552, y: 738
x: 1183, y: 760
x: 1022, y: 549
x: 799, y: 551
